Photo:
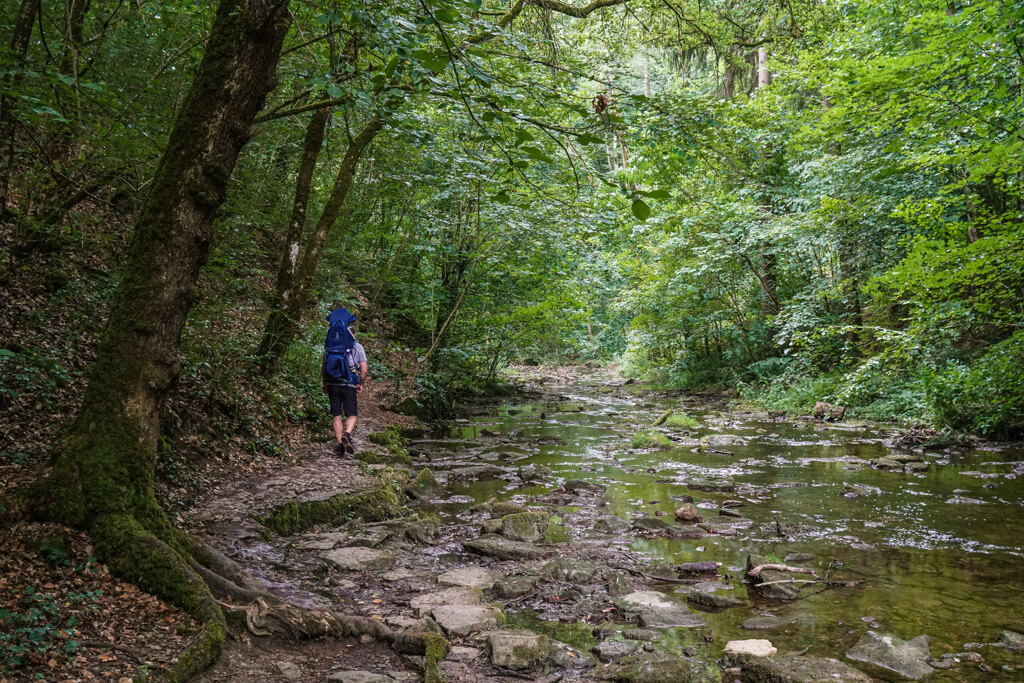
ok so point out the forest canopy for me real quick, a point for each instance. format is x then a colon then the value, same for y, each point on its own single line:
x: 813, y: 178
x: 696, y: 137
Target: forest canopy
x: 801, y: 201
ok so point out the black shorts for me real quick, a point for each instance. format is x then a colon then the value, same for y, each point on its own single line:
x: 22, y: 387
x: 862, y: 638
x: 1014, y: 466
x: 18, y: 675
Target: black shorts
x: 343, y: 400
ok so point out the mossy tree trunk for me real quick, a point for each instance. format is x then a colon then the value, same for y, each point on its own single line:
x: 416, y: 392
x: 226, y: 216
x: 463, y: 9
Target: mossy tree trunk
x: 286, y: 313
x: 102, y: 477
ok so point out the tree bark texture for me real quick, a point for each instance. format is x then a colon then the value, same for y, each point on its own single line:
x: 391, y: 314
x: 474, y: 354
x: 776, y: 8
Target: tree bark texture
x: 18, y: 47
x: 102, y: 477
x: 290, y: 258
x: 286, y: 316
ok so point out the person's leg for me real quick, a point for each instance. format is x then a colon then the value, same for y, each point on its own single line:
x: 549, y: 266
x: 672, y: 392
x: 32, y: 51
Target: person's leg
x: 351, y: 411
x: 337, y: 397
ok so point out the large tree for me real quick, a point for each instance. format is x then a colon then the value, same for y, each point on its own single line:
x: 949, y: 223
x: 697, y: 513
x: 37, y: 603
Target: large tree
x: 102, y: 475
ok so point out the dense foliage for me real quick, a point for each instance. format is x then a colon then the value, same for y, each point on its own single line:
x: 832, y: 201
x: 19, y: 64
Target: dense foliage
x: 808, y: 201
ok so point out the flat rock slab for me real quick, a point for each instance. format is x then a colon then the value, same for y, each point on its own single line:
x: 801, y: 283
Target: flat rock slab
x: 659, y: 611
x: 908, y: 658
x: 756, y: 647
x: 326, y: 541
x: 357, y: 559
x: 796, y: 669
x: 469, y: 577
x: 464, y: 620
x: 461, y: 653
x: 399, y: 574
x: 424, y: 603
x: 359, y: 677
x: 506, y: 549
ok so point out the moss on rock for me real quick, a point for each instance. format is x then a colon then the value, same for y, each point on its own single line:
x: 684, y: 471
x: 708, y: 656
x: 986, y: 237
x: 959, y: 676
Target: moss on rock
x: 373, y: 506
x: 423, y: 486
x: 652, y: 440
x: 524, y: 526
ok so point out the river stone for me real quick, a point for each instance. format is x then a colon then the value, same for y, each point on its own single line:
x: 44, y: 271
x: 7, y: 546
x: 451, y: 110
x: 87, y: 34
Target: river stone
x: 524, y: 526
x: 711, y: 600
x: 610, y: 650
x: 474, y: 472
x: 518, y: 650
x: 756, y: 647
x: 491, y: 526
x: 463, y: 620
x: 908, y: 658
x: 357, y: 559
x: 687, y: 512
x: 468, y: 577
x: 288, y: 670
x: 505, y: 548
x: 619, y: 584
x: 577, y: 485
x: 611, y: 525
x: 359, y: 677
x: 778, y: 591
x: 425, y: 602
x: 398, y: 575
x: 533, y: 473
x: 569, y: 569
x: 660, y: 667
x: 1011, y: 641
x: 423, y: 486
x: 424, y: 531
x: 795, y: 669
x: 369, y: 537
x: 658, y: 611
x: 515, y: 587
x: 765, y: 623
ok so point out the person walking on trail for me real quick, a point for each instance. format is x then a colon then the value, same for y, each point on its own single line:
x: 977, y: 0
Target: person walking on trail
x: 343, y: 372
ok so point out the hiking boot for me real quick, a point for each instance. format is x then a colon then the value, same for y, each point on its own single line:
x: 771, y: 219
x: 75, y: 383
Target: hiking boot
x: 339, y: 449
x: 346, y: 443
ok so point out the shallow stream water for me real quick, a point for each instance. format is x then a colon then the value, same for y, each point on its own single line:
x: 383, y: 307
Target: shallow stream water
x: 927, y: 563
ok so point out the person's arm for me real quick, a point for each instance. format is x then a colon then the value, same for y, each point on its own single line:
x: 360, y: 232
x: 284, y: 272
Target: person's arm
x: 362, y: 376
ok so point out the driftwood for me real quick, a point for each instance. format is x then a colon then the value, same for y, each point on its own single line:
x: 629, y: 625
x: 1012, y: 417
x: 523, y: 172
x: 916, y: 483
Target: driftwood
x: 756, y: 571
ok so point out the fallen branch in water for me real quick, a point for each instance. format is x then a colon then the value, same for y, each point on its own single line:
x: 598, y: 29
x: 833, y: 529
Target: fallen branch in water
x: 756, y: 571
x: 827, y: 584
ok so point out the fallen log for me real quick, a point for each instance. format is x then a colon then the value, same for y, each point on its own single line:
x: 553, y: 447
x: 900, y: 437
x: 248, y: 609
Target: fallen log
x: 698, y: 567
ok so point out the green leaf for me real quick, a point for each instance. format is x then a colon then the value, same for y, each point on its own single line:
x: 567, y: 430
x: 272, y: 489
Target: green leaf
x: 657, y: 194
x: 448, y: 16
x: 640, y: 209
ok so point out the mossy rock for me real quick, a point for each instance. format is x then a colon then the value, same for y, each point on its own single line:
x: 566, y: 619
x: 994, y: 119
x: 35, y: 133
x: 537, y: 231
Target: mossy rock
x: 678, y: 421
x: 663, y: 668
x: 569, y: 407
x: 390, y: 438
x: 524, y: 526
x: 423, y: 486
x: 651, y: 440
x: 373, y: 506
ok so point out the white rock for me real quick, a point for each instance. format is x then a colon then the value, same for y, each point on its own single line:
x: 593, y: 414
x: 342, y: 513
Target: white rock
x: 423, y: 603
x: 468, y: 577
x: 360, y: 559
x: 755, y: 647
x: 463, y: 620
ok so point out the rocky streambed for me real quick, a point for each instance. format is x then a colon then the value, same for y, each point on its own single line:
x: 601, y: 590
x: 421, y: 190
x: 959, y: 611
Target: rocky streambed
x: 567, y: 536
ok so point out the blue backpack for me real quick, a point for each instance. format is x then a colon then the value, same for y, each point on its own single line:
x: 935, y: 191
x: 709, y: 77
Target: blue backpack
x: 339, y: 366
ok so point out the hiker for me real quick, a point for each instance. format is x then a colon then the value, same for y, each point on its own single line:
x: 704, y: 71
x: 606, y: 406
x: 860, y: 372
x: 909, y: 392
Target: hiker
x: 343, y: 372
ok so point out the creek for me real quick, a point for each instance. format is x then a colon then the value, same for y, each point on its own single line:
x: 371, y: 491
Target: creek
x: 935, y: 552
